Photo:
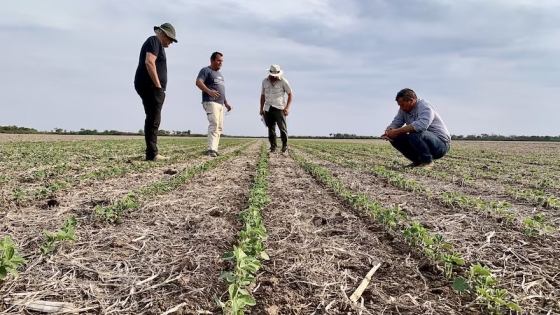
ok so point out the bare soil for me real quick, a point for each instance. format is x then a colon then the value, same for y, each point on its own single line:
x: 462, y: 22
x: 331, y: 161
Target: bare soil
x: 321, y: 250
x: 166, y: 253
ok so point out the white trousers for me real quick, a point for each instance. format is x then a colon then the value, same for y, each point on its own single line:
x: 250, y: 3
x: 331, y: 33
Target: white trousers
x: 214, y: 113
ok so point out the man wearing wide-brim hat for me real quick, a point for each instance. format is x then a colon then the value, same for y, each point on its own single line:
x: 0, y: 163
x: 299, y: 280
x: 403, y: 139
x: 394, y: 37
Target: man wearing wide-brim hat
x: 150, y: 82
x: 274, y: 107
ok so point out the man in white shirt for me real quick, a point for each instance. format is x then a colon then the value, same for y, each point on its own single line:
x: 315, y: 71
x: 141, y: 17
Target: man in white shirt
x: 274, y: 108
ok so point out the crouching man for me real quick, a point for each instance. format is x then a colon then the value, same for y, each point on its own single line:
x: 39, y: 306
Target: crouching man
x: 424, y: 138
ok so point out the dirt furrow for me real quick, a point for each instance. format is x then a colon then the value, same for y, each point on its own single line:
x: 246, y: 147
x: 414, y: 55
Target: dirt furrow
x: 320, y: 251
x: 516, y: 258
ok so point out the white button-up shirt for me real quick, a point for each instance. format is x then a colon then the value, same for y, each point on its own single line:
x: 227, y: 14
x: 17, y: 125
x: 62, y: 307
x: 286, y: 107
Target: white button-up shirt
x: 274, y: 93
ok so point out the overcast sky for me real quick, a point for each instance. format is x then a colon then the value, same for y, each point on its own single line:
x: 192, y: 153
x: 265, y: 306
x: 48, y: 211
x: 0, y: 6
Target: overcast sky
x: 487, y: 66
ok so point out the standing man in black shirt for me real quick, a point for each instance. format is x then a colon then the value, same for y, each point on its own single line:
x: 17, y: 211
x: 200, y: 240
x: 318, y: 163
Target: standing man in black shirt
x: 150, y: 83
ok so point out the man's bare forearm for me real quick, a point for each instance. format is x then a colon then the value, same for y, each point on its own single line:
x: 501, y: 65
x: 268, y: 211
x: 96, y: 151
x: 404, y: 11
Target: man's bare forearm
x: 153, y: 73
x: 289, y: 102
x: 406, y: 129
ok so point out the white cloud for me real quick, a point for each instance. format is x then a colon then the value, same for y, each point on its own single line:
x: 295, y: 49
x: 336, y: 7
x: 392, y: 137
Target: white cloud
x: 73, y: 62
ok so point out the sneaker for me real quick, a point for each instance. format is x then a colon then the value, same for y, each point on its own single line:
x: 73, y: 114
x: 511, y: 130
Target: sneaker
x: 284, y: 148
x: 413, y: 164
x: 273, y: 149
x: 213, y: 153
x: 158, y: 157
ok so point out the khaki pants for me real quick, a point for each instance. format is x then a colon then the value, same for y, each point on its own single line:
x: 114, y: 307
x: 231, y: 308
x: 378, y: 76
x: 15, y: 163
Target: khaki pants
x: 214, y: 113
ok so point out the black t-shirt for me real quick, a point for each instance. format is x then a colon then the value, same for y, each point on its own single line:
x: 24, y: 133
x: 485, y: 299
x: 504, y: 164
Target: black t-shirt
x: 142, y: 77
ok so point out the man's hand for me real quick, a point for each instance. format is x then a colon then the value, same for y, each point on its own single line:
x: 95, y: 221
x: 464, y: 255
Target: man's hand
x: 228, y: 107
x: 286, y: 111
x: 213, y: 94
x: 385, y: 137
x: 261, y: 112
x: 392, y: 133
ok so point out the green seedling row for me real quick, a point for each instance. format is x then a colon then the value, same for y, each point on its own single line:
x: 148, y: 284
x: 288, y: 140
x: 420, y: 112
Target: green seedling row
x: 113, y: 213
x: 20, y: 195
x: 461, y: 172
x: 250, y: 248
x: 106, y: 162
x: 476, y: 280
x: 531, y: 226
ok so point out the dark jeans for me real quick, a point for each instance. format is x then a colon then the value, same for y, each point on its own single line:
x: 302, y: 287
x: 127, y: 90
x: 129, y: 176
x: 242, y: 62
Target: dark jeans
x: 152, y: 99
x: 420, y: 147
x: 272, y: 117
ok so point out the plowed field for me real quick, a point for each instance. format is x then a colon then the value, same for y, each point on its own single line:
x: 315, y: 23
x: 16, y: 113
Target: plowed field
x: 88, y: 227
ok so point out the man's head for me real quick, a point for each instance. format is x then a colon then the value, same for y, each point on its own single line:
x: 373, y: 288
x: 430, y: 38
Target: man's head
x: 166, y: 34
x: 406, y: 98
x: 216, y: 60
x: 274, y: 72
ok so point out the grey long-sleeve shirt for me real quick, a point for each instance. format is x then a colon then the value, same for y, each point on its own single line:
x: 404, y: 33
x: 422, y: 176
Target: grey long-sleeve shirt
x: 423, y: 117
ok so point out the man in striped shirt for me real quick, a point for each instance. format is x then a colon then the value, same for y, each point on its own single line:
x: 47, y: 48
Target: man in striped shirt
x: 425, y: 137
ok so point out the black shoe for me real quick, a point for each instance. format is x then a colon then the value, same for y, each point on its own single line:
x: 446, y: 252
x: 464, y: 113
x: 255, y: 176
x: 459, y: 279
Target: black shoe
x: 273, y: 149
x: 284, y: 148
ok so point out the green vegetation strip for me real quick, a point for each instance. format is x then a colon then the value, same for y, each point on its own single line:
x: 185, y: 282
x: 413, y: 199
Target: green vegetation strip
x: 536, y: 225
x: 120, y: 162
x: 19, y: 195
x: 477, y: 280
x: 463, y: 173
x: 250, y: 247
x: 130, y: 202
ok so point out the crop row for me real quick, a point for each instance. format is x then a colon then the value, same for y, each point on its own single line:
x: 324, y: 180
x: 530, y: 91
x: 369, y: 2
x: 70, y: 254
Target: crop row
x: 250, y: 248
x: 115, y: 211
x: 45, y: 153
x: 46, y: 172
x: 538, y: 224
x: 536, y: 196
x: 38, y: 155
x: 510, y: 157
x: 21, y: 195
x: 535, y: 177
x: 10, y: 260
x: 476, y: 280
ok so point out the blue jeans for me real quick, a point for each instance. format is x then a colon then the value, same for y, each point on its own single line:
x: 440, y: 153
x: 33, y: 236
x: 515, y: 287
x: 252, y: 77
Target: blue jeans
x: 420, y: 147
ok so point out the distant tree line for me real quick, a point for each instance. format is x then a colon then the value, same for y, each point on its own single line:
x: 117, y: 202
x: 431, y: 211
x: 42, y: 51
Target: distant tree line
x: 187, y: 133
x: 493, y: 137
